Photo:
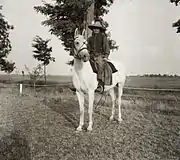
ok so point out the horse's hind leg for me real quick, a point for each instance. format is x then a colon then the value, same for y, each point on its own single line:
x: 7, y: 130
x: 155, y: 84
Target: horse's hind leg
x: 113, y: 98
x: 80, y: 96
x: 120, y: 91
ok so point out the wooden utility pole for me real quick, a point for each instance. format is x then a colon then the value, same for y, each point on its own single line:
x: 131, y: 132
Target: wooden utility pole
x: 89, y: 17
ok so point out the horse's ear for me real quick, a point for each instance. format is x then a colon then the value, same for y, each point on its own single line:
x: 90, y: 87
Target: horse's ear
x: 84, y: 33
x: 76, y: 32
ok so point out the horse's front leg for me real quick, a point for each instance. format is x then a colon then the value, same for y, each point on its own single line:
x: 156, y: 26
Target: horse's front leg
x: 113, y: 98
x: 80, y: 96
x: 90, y: 110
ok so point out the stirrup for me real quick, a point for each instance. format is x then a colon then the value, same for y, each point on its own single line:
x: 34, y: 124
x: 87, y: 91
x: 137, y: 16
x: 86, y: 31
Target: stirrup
x: 100, y: 89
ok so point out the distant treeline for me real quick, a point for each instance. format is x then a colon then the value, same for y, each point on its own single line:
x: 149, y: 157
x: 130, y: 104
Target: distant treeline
x: 159, y: 75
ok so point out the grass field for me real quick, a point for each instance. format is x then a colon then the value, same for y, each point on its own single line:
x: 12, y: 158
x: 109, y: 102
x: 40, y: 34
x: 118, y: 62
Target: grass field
x: 153, y: 82
x: 42, y: 126
x: 132, y: 81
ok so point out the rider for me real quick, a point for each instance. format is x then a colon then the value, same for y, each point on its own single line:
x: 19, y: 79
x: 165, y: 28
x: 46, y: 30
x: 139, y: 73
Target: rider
x: 99, y: 50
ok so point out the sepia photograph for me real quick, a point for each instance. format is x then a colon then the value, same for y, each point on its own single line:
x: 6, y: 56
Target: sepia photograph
x: 89, y: 79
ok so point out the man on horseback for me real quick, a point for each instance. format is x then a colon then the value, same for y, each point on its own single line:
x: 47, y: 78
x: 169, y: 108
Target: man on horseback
x: 99, y: 51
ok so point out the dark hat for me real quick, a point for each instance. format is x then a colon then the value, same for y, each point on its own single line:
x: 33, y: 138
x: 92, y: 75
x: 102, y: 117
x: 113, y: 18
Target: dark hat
x: 97, y: 24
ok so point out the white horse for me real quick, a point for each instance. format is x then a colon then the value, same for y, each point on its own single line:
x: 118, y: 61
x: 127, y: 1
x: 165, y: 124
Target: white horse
x: 85, y: 80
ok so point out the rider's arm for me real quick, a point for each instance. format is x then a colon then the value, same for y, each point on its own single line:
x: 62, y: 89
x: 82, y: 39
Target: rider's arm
x: 106, y: 48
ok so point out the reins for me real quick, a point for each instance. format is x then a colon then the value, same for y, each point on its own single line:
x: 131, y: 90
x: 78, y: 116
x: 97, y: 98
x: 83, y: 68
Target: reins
x: 96, y: 106
x: 78, y: 51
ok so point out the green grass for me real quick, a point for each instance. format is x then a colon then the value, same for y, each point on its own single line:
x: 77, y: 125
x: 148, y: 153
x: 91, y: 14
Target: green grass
x: 42, y: 126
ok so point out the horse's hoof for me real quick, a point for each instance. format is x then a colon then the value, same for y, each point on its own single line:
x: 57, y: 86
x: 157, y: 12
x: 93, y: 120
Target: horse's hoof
x: 89, y: 129
x: 79, y: 129
x: 120, y: 120
x: 111, y: 118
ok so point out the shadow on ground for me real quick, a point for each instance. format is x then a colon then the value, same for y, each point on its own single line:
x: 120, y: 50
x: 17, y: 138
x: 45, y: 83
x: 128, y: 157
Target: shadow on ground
x: 69, y: 109
x: 66, y: 108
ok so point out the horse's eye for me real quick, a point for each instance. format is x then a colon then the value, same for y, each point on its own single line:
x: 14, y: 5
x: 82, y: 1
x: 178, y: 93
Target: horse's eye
x: 77, y: 43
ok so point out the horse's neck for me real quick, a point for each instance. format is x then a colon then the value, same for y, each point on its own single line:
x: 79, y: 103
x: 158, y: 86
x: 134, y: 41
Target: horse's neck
x: 80, y: 66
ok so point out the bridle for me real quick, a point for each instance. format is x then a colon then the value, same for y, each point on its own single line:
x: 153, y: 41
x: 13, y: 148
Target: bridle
x: 76, y: 53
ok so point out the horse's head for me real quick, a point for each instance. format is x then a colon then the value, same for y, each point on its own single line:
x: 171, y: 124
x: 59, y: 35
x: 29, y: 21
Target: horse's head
x: 80, y: 46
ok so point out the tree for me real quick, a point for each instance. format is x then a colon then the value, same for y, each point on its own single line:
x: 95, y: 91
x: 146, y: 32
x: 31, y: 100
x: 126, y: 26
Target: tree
x: 63, y: 16
x: 101, y: 8
x: 89, y: 17
x: 35, y: 74
x: 42, y: 52
x: 177, y: 23
x: 5, y: 45
x: 176, y: 2
x: 7, y: 66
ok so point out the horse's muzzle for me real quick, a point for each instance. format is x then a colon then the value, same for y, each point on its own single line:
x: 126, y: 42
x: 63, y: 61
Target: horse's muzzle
x: 85, y: 56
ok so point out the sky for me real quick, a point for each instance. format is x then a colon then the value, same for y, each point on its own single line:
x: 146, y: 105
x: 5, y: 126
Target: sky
x: 142, y: 29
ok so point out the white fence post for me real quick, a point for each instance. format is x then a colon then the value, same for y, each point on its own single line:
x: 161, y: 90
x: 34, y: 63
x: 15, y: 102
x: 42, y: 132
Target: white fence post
x: 20, y: 89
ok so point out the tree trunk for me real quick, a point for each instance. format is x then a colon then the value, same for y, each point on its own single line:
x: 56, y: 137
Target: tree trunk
x: 34, y: 86
x: 45, y: 79
x: 10, y: 80
x: 89, y: 18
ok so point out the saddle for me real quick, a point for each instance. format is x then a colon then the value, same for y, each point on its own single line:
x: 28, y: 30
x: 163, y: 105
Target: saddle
x: 106, y: 75
x: 94, y: 68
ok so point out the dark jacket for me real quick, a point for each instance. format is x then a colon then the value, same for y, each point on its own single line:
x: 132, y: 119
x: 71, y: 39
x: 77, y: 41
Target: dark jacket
x: 98, y: 45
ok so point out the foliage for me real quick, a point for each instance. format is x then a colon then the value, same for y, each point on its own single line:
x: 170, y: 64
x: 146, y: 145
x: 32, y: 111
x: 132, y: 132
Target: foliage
x: 177, y: 23
x: 35, y: 74
x: 112, y: 43
x: 176, y: 2
x: 63, y: 16
x: 5, y: 45
x: 42, y: 52
x: 9, y: 67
